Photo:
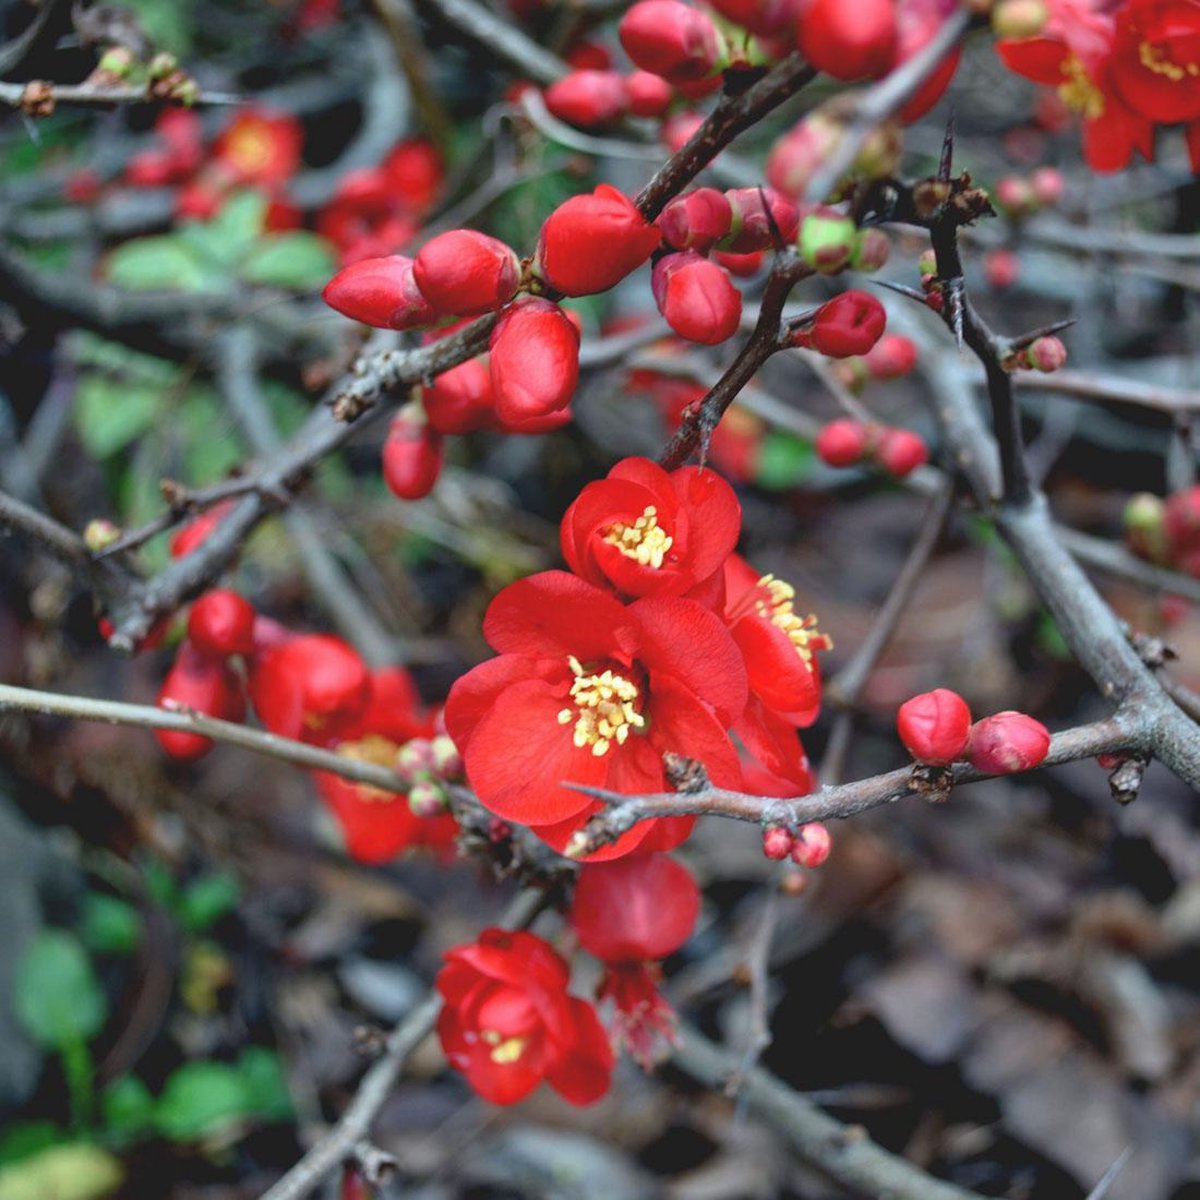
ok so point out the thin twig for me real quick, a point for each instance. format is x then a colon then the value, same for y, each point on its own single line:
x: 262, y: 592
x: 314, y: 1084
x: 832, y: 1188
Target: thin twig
x: 91, y: 95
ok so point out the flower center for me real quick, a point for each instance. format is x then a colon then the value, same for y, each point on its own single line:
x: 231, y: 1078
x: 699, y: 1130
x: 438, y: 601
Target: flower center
x: 504, y: 1050
x: 604, y: 709
x: 778, y: 607
x: 371, y: 749
x: 644, y: 540
x: 1078, y: 92
x: 1155, y: 59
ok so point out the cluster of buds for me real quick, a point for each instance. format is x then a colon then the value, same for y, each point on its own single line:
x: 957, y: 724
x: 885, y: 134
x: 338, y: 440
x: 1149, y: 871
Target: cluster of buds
x: 846, y: 442
x: 892, y: 357
x: 1020, y: 196
x: 589, y: 98
x: 809, y: 846
x: 936, y: 728
x: 1045, y: 354
x: 931, y: 285
x: 429, y: 765
x: 1166, y: 532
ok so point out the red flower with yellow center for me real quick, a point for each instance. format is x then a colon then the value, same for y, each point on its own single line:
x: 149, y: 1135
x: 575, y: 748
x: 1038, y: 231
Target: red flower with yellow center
x: 1156, y: 62
x: 260, y: 147
x: 588, y: 690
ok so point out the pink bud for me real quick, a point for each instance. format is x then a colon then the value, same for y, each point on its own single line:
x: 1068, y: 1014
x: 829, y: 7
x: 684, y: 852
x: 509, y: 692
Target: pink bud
x: 934, y: 726
x: 1046, y: 354
x: 381, y: 292
x: 848, y: 324
x: 777, y: 842
x: 892, y: 357
x: 460, y: 400
x: 696, y: 297
x: 697, y: 220
x: 413, y: 455
x: 426, y: 799
x: 671, y: 39
x: 649, y: 95
x: 900, y: 452
x: 763, y: 17
x: 1002, y: 268
x: 797, y: 156
x: 587, y: 98
x: 1014, y: 195
x: 1048, y: 185
x: 534, y: 360
x: 872, y: 251
x: 1008, y: 742
x: 848, y: 41
x: 843, y: 442
x: 677, y: 130
x: 1179, y: 517
x: 463, y: 272
x: 751, y: 227
x: 812, y: 846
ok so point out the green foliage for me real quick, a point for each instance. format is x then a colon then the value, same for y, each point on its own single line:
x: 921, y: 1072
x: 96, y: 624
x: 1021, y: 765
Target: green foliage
x: 168, y: 23
x: 108, y: 925
x: 266, y: 1087
x: 57, y: 998
x: 206, y: 900
x: 73, y: 1171
x: 109, y: 415
x: 300, y: 261
x: 784, y: 461
x: 27, y: 1139
x: 204, y: 1099
x: 157, y: 264
x: 126, y: 1109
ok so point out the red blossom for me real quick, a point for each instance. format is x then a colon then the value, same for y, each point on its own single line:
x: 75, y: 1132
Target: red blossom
x: 649, y: 95
x: 204, y: 685
x: 643, y: 532
x: 587, y: 98
x: 696, y: 298
x: 534, y: 361
x: 848, y: 41
x: 1006, y: 742
x: 381, y: 292
x: 508, y: 1023
x: 221, y: 623
x: 463, y: 273
x: 461, y: 399
x: 413, y: 456
x: 191, y: 536
x: 671, y: 39
x: 848, y: 325
x: 696, y: 220
x: 934, y: 726
x: 260, y: 147
x: 1156, y: 58
x: 415, y: 172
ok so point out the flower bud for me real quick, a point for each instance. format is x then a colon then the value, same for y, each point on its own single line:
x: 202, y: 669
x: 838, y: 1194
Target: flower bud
x: 934, y: 726
x: 201, y: 685
x: 847, y: 325
x: 587, y: 98
x: 744, y: 266
x: 1002, y: 269
x: 1047, y: 354
x: 751, y: 228
x: 812, y: 846
x: 797, y: 156
x: 460, y: 400
x: 414, y: 760
x: 1015, y: 196
x: 1048, y: 185
x: 892, y: 357
x: 426, y: 799
x: 696, y: 297
x: 762, y: 17
x: 900, y: 452
x: 534, y: 360
x: 99, y: 534
x: 1019, y: 18
x: 221, y: 623
x: 872, y: 252
x: 590, y: 243
x: 413, y: 455
x: 697, y: 220
x: 1146, y: 531
x: 446, y: 760
x: 843, y: 442
x: 827, y: 240
x: 848, y: 41
x: 776, y: 842
x: 927, y: 263
x: 380, y: 292
x: 648, y: 95
x: 671, y: 39
x: 463, y: 272
x: 1181, y: 520
x: 677, y: 130
x: 1008, y: 742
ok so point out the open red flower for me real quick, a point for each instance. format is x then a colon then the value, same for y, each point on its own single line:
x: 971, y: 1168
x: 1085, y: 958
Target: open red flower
x: 1156, y: 63
x: 590, y: 691
x: 508, y: 1023
x: 645, y: 532
x: 260, y: 147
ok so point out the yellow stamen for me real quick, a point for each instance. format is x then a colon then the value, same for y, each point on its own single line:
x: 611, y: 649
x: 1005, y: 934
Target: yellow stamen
x: 1154, y: 59
x: 645, y: 540
x: 604, y: 709
x: 779, y: 609
x: 371, y: 749
x: 1078, y: 92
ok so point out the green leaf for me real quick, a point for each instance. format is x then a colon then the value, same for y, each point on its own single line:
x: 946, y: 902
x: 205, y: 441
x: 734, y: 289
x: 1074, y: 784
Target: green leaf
x: 783, y: 461
x: 266, y: 1085
x: 300, y: 261
x: 222, y: 243
x: 109, y: 925
x: 27, y: 1139
x: 110, y: 415
x: 77, y: 1171
x: 200, y: 1099
x: 57, y: 998
x: 159, y: 883
x: 206, y: 900
x: 164, y: 263
x: 168, y: 23
x: 211, y: 447
x: 127, y: 1108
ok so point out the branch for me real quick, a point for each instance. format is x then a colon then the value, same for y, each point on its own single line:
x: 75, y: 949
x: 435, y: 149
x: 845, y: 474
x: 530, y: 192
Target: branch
x: 529, y: 58
x: 92, y: 95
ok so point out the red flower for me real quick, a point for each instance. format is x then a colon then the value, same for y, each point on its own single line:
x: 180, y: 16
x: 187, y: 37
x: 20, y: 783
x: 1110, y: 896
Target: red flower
x: 1156, y: 63
x: 381, y: 292
x: 191, y: 536
x: 919, y: 21
x: 534, y: 361
x: 848, y: 325
x: 221, y: 623
x: 696, y: 298
x: 260, y: 147
x: 365, y: 219
x: 508, y: 1023
x: 463, y: 272
x: 568, y: 256
x: 204, y: 685
x: 415, y: 172
x: 413, y: 455
x: 590, y: 691
x: 645, y: 532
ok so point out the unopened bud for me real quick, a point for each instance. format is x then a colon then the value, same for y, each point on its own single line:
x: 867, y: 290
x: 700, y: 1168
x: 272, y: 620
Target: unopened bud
x: 1008, y: 742
x: 827, y: 240
x: 872, y: 252
x: 776, y: 842
x: 812, y: 846
x: 99, y: 534
x: 1019, y: 18
x: 414, y: 759
x: 445, y: 758
x: 1047, y: 354
x: 426, y: 799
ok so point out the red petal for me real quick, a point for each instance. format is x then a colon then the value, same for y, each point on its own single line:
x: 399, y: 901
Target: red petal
x: 585, y: 1072
x: 714, y: 518
x: 777, y: 673
x: 775, y: 744
x: 666, y: 833
x: 1039, y: 59
x: 476, y: 692
x: 682, y: 724
x: 559, y: 835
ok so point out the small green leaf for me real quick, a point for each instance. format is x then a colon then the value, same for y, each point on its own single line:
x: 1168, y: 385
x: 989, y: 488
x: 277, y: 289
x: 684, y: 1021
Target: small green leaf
x: 222, y: 243
x: 266, y: 1086
x: 784, y: 461
x: 110, y: 415
x: 76, y: 1171
x: 57, y: 998
x: 109, y: 925
x: 206, y: 900
x: 27, y: 1139
x: 200, y: 1099
x: 159, y: 883
x: 164, y: 263
x: 127, y: 1108
x: 300, y: 261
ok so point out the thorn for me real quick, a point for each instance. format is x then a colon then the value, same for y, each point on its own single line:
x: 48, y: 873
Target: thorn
x: 952, y: 289
x: 1027, y: 339
x: 945, y: 164
x: 1101, y: 1189
x: 902, y: 289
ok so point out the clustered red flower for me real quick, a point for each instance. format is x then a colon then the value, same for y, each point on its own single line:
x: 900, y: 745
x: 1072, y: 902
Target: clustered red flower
x: 936, y: 728
x: 847, y: 442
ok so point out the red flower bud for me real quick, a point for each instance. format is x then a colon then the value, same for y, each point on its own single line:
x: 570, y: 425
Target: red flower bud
x: 569, y: 256
x: 534, y: 360
x: 649, y: 95
x: 697, y: 220
x: 843, y: 442
x: 1015, y: 196
x: 1047, y: 354
x: 850, y: 324
x: 742, y: 265
x: 204, y: 685
x: 587, y: 98
x: 764, y: 17
x: 1111, y: 761
x: 848, y: 41
x: 590, y: 56
x: 892, y: 357
x: 460, y: 400
x: 190, y: 536
x: 415, y: 172
x: 900, y: 452
x: 796, y: 157
x: 1008, y: 742
x: 221, y: 623
x: 934, y: 726
x: 677, y: 131
x: 751, y: 228
x: 1048, y: 185
x: 668, y: 38
x: 380, y: 292
x: 696, y: 297
x: 1179, y: 517
x: 812, y: 846
x: 463, y: 272
x: 413, y: 456
x: 634, y: 909
x: 828, y: 240
x: 82, y: 186
x: 777, y: 842
x: 1002, y: 268
x: 873, y: 250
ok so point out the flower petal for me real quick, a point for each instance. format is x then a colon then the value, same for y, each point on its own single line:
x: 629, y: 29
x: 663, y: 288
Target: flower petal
x: 585, y: 1072
x: 777, y: 673
x: 715, y: 518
